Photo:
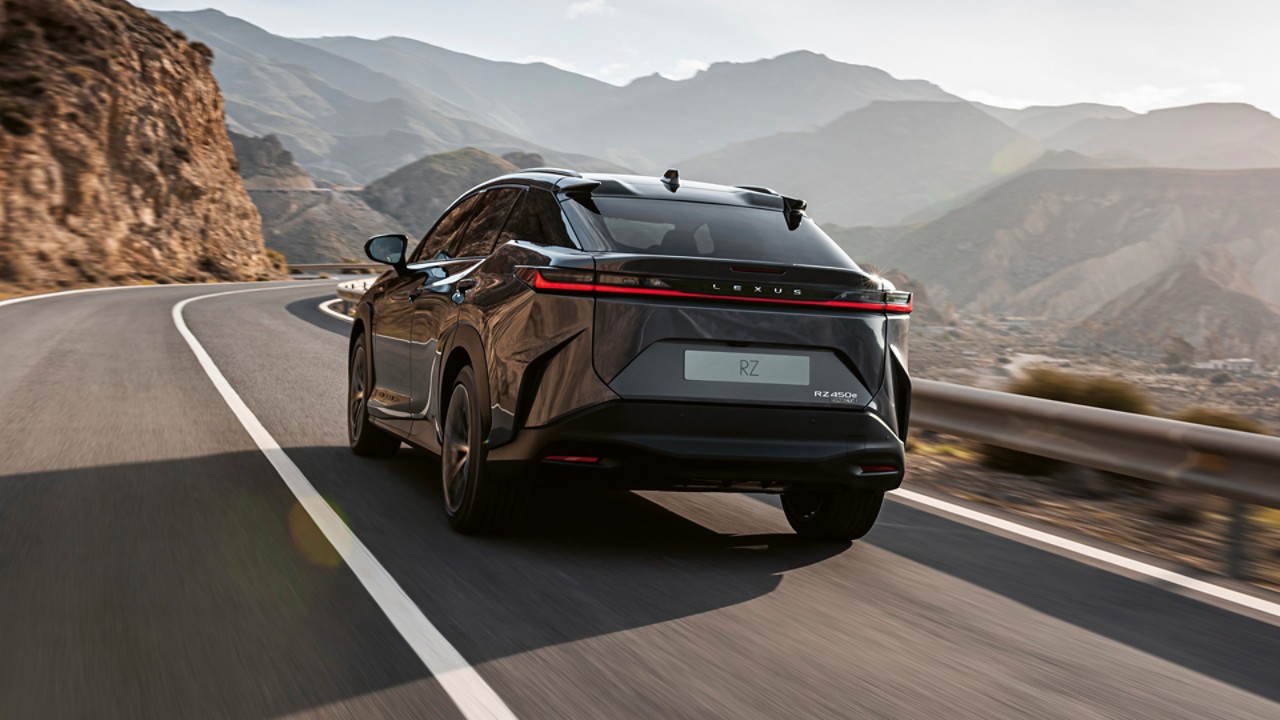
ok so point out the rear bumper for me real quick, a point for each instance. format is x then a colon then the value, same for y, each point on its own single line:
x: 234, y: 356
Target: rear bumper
x: 685, y: 446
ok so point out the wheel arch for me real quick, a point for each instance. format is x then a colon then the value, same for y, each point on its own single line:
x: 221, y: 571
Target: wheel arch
x: 357, y: 329
x: 463, y: 347
x: 360, y: 326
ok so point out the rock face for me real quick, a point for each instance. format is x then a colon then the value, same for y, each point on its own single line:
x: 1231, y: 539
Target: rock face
x: 266, y: 165
x: 114, y: 160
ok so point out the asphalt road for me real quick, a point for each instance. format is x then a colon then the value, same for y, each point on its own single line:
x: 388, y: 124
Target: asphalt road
x: 154, y: 564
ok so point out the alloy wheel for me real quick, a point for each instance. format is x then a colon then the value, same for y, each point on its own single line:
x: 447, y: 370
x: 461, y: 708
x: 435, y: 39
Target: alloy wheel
x: 356, y: 402
x: 455, y: 458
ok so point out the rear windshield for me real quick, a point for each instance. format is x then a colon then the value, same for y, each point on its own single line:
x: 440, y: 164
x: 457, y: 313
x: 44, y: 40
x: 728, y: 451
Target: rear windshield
x: 690, y: 229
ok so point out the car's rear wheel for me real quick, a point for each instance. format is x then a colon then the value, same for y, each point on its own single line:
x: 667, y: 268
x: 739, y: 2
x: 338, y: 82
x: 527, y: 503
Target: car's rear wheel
x: 366, y: 438
x: 475, y: 500
x: 842, y: 515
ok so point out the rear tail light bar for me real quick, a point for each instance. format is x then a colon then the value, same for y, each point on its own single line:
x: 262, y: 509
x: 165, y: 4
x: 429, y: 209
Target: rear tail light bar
x: 576, y: 459
x: 572, y: 280
x: 878, y: 469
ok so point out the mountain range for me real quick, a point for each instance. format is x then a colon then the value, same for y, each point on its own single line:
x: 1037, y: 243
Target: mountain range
x: 352, y: 110
x: 345, y: 123
x: 1057, y: 211
x: 1130, y: 255
x: 852, y: 139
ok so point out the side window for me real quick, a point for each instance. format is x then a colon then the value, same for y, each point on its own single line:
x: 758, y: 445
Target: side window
x: 447, y: 229
x: 486, y: 222
x: 537, y: 220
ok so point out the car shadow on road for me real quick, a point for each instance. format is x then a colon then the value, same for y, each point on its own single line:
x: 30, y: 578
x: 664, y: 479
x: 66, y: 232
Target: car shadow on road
x: 595, y: 563
x: 308, y: 310
x: 585, y: 564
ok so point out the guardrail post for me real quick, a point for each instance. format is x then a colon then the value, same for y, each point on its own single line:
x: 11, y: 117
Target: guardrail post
x: 1237, y: 541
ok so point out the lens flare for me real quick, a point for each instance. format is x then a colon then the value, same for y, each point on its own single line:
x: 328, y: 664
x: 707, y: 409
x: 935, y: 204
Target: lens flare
x: 314, y: 547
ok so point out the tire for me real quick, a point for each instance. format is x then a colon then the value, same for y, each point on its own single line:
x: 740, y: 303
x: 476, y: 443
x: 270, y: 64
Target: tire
x: 843, y: 515
x: 475, y: 501
x: 366, y: 439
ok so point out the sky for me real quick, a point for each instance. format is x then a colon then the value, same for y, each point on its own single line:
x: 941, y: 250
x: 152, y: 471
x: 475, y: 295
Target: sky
x: 1142, y: 54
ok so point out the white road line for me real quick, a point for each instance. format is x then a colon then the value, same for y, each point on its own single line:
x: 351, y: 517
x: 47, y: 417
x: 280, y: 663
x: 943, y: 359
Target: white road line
x: 324, y: 308
x: 78, y: 291
x: 1094, y: 553
x: 473, y: 696
x: 60, y: 293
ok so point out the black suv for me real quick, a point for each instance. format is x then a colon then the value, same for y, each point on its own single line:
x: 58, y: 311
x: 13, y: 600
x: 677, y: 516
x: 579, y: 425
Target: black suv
x: 634, y: 332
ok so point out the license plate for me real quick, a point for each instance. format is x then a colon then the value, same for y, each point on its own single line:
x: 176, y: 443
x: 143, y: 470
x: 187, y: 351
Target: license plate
x: 744, y: 367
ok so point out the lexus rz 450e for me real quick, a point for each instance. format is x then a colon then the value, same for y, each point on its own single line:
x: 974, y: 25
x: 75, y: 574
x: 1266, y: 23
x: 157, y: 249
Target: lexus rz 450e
x: 632, y: 332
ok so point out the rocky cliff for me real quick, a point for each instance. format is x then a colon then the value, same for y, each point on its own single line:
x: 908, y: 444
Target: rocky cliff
x: 114, y: 160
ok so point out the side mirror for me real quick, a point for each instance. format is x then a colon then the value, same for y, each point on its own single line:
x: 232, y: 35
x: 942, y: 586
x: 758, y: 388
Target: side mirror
x: 387, y: 249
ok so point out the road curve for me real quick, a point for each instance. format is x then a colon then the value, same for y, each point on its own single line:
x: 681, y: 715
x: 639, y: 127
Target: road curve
x: 154, y: 564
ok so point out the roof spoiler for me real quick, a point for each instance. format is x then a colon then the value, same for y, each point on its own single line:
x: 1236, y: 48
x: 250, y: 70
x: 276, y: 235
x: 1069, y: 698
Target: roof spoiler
x: 794, y: 209
x: 789, y: 204
x: 576, y: 185
x: 552, y: 171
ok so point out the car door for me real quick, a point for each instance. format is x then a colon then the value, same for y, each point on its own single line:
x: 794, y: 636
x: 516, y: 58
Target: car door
x: 392, y: 334
x: 435, y: 309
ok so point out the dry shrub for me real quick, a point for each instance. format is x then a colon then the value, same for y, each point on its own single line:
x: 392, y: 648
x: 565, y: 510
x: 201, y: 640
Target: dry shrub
x: 1050, y: 384
x: 1220, y: 419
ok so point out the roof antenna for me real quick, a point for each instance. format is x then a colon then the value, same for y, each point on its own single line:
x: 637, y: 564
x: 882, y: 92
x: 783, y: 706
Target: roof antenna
x: 671, y: 179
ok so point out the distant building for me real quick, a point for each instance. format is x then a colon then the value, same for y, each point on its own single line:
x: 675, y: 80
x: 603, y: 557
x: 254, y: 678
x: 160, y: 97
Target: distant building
x: 1242, y: 366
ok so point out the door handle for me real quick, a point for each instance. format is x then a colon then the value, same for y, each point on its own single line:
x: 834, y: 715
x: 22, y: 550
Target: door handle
x: 460, y: 289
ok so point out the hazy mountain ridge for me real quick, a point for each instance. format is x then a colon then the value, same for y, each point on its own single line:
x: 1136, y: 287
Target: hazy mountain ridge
x: 878, y: 164
x: 1206, y: 136
x: 661, y: 120
x: 344, y: 122
x: 510, y: 96
x: 1044, y: 121
x: 1050, y: 160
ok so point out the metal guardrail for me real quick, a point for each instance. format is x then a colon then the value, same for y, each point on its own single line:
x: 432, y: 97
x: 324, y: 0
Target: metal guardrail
x: 1239, y: 466
x: 351, y: 291
x: 338, y: 266
x: 1227, y: 463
